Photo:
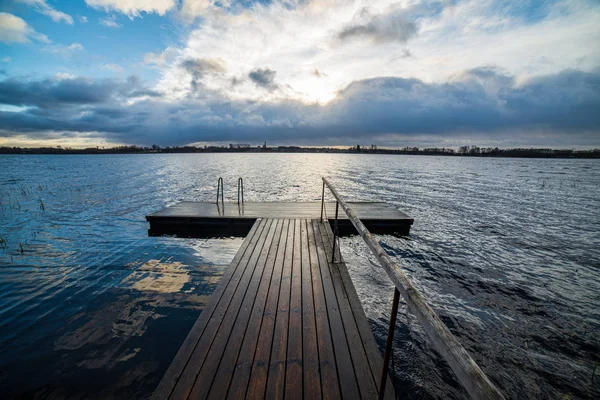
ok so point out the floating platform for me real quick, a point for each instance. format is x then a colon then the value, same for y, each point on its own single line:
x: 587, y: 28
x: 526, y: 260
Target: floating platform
x: 205, y: 219
x: 285, y: 322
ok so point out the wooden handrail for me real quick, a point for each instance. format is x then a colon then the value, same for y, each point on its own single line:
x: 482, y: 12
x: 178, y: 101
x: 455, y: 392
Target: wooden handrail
x: 471, y: 377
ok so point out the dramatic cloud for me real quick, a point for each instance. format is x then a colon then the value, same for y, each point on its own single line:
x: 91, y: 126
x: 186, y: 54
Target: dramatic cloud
x: 394, y: 26
x: 55, y: 92
x: 43, y: 7
x: 199, y: 67
x: 387, y: 110
x: 263, y: 77
x: 322, y: 71
x: 133, y: 8
x: 14, y: 29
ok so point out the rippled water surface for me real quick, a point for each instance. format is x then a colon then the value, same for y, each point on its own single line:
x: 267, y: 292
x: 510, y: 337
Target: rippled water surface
x: 507, y: 251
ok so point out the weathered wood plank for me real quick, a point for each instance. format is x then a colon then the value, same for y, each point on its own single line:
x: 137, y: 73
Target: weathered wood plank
x: 323, y: 314
x: 233, y: 297
x: 294, y: 362
x: 233, y: 325
x: 239, y: 371
x: 205, y: 219
x: 175, y: 370
x: 350, y: 387
x: 284, y: 322
x: 366, y: 342
x: 312, y: 209
x: 275, y: 388
x: 273, y: 334
x: 310, y: 350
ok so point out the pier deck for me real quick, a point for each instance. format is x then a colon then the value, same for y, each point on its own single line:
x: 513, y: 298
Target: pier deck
x: 205, y: 219
x: 283, y: 322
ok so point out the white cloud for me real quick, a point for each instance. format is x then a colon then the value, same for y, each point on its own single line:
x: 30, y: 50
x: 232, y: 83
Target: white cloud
x: 65, y: 50
x: 191, y: 9
x: 133, y: 8
x: 83, y: 20
x: 113, y: 67
x: 160, y: 59
x: 15, y: 30
x: 110, y: 22
x: 43, y: 7
x: 6, y: 59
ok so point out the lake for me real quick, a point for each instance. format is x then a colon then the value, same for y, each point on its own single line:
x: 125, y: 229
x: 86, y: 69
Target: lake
x: 507, y: 251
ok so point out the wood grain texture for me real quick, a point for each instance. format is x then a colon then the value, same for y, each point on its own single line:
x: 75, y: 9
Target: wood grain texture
x: 282, y: 323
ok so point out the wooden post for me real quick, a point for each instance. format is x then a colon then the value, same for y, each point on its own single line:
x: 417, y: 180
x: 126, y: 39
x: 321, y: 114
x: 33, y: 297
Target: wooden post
x: 471, y: 377
x: 389, y: 344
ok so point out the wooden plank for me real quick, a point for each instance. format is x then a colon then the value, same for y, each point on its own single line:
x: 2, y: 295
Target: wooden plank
x: 232, y: 377
x: 257, y: 379
x: 310, y: 350
x: 327, y: 357
x: 294, y: 362
x: 365, y: 210
x: 231, y: 297
x: 174, y: 371
x: 345, y: 367
x: 369, y: 345
x: 233, y: 326
x: 360, y: 362
x: 275, y: 387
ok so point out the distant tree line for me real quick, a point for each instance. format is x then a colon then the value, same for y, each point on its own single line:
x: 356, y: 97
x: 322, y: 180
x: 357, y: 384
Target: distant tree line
x: 463, y: 151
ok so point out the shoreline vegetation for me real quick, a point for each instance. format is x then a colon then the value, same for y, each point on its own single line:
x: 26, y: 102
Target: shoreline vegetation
x: 463, y: 151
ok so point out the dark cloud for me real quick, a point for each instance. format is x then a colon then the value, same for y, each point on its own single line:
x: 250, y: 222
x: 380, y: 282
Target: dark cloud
x: 199, y: 67
x: 63, y: 92
x: 482, y: 102
x: 319, y: 74
x: 55, y: 92
x: 263, y: 77
x: 134, y: 87
x: 395, y: 26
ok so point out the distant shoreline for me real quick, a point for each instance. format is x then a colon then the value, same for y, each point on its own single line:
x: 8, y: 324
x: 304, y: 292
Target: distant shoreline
x: 464, y: 151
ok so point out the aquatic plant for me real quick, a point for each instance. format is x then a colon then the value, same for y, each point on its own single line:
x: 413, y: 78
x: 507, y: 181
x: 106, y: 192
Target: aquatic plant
x: 21, y: 249
x: 42, y: 205
x: 3, y: 243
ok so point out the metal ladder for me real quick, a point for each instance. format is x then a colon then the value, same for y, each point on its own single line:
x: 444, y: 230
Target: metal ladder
x: 240, y: 191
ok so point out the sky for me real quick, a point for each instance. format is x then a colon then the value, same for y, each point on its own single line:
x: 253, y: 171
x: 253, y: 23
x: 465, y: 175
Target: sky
x: 491, y: 73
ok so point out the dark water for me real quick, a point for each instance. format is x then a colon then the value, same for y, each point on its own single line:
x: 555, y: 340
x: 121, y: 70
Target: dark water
x: 507, y: 251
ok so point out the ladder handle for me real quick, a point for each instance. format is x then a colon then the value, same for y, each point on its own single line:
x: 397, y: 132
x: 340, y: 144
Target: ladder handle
x: 220, y: 186
x: 240, y: 186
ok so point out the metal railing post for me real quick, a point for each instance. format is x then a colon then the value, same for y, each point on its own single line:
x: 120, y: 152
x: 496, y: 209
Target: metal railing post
x: 322, y: 201
x: 388, y: 344
x: 335, y: 230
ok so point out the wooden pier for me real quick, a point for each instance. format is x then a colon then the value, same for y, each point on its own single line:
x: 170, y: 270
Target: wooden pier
x: 205, y: 219
x: 284, y: 322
